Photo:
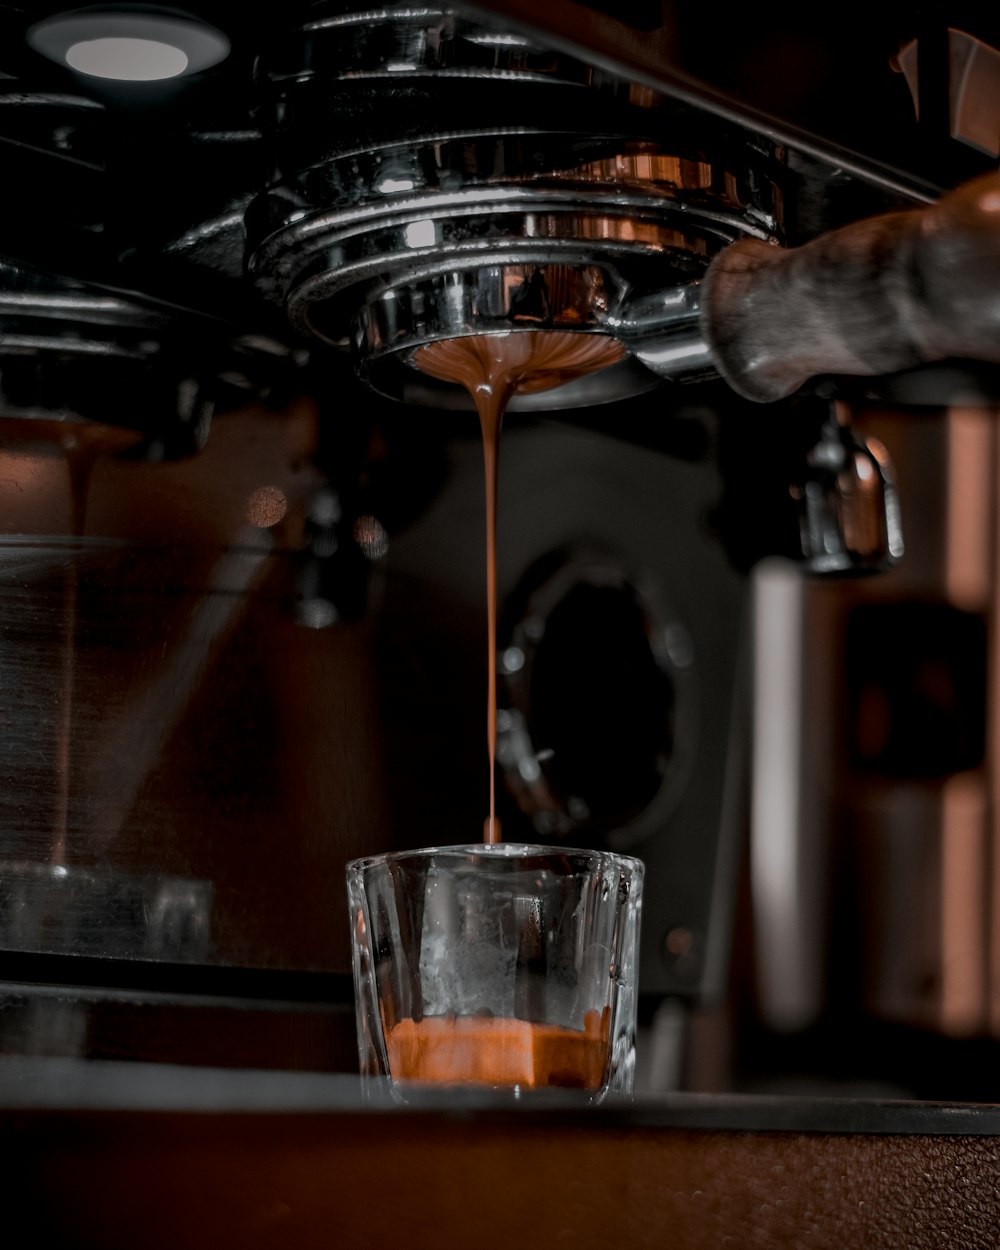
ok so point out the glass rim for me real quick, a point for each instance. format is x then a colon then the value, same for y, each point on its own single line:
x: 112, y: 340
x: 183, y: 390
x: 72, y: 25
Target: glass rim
x: 497, y: 851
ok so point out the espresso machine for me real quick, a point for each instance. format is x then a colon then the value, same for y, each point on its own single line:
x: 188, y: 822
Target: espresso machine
x: 242, y: 630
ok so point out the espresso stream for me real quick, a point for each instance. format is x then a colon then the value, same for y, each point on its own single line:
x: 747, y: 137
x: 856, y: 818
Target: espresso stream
x: 494, y: 368
x: 489, y: 1050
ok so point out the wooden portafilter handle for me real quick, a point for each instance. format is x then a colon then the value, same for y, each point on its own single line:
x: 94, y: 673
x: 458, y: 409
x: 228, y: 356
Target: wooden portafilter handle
x: 875, y: 297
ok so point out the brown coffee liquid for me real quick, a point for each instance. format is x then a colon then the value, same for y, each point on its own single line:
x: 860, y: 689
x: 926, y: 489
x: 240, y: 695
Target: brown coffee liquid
x: 82, y: 444
x: 493, y: 368
x: 478, y: 1050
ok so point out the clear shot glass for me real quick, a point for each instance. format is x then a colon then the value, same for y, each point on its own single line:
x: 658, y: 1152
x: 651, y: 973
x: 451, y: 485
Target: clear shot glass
x: 506, y: 967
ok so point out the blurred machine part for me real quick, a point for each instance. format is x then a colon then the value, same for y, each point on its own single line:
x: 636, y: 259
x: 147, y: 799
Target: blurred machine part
x: 875, y: 839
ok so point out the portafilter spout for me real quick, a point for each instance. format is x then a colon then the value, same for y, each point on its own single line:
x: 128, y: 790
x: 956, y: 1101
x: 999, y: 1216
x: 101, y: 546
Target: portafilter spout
x: 876, y: 297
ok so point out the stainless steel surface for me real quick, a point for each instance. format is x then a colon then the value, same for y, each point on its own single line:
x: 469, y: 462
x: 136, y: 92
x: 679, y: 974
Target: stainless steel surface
x: 71, y: 353
x: 542, y: 203
x: 492, y: 298
x: 663, y: 329
x: 848, y: 505
x: 685, y: 52
x: 49, y: 908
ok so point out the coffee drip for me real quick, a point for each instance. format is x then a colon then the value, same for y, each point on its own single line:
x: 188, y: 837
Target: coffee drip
x: 494, y: 368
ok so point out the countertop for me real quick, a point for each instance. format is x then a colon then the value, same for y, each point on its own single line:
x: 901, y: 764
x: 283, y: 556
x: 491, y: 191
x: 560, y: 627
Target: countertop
x: 127, y: 1155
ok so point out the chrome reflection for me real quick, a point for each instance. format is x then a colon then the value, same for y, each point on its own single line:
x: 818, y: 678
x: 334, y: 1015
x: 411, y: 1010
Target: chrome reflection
x: 849, y: 513
x: 54, y: 909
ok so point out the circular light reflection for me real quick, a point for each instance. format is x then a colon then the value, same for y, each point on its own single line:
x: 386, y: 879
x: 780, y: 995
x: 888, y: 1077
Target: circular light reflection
x: 266, y: 507
x: 863, y: 469
x: 512, y: 660
x: 371, y: 537
x: 318, y: 614
x: 127, y: 59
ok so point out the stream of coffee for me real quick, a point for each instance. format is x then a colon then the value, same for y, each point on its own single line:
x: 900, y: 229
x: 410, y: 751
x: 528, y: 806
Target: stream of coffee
x: 490, y: 1050
x: 81, y: 444
x: 494, y: 368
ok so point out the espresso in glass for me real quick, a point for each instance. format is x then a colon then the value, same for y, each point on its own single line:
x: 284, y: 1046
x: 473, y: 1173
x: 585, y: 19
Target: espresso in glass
x: 480, y: 980
x: 504, y: 966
